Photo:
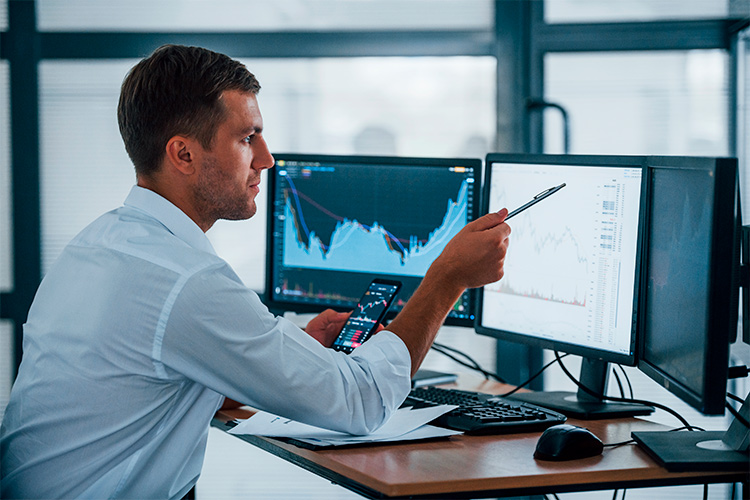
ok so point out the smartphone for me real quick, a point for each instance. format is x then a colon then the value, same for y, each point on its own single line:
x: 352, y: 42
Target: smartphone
x: 368, y: 314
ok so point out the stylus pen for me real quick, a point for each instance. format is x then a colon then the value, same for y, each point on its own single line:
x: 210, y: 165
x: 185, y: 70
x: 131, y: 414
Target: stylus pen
x: 536, y: 199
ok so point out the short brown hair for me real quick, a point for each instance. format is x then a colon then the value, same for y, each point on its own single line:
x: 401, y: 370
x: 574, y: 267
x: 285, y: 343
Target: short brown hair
x: 176, y: 90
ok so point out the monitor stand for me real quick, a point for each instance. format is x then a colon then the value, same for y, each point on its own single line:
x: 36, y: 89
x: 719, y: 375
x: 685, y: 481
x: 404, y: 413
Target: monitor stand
x: 685, y: 451
x: 582, y: 405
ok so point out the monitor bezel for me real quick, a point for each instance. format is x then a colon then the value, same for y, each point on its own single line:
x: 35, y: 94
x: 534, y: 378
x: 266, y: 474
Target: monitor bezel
x: 279, y: 306
x: 723, y: 304
x: 629, y: 359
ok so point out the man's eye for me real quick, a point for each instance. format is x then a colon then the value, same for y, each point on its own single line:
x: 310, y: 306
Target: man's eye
x: 248, y: 139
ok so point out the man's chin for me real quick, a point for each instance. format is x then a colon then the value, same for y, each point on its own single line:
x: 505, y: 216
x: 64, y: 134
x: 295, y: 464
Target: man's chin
x: 241, y: 215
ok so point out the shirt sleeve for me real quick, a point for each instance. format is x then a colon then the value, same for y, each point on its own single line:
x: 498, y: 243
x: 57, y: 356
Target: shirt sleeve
x: 219, y: 334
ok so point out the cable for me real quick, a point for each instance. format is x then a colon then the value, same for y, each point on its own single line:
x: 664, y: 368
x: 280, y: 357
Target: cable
x: 627, y: 379
x: 478, y: 368
x: 621, y: 443
x: 735, y: 397
x: 533, y: 377
x: 471, y: 360
x: 619, y: 383
x: 474, y: 365
x: 623, y: 400
x: 737, y: 415
x: 738, y: 372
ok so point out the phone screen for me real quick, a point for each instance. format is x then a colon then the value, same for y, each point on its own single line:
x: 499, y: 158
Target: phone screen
x: 367, y: 315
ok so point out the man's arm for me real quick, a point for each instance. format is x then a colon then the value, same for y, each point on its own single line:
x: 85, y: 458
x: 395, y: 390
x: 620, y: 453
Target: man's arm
x: 474, y: 257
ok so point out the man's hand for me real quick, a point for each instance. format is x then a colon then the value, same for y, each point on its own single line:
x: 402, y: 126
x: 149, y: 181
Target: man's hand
x: 476, y: 255
x: 326, y: 326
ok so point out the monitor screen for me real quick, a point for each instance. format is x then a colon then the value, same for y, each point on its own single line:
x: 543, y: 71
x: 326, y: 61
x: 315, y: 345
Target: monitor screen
x: 571, y: 271
x: 690, y: 304
x: 691, y: 297
x: 337, y: 222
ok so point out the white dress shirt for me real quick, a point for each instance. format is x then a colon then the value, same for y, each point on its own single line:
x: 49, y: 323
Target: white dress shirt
x: 134, y: 337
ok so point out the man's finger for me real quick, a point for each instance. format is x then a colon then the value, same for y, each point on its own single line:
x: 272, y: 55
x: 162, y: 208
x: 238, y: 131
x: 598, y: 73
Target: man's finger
x: 490, y: 220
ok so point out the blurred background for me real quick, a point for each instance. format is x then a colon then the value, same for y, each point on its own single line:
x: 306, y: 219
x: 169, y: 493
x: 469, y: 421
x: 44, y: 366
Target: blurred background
x: 435, y: 78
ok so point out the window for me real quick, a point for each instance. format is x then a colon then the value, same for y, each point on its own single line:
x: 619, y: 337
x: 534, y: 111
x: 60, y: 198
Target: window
x: 6, y: 223
x: 262, y: 15
x: 672, y: 102
x: 743, y: 120
x: 6, y: 249
x: 588, y: 11
x: 398, y: 106
x: 6, y: 363
x: 84, y: 169
x: 3, y: 15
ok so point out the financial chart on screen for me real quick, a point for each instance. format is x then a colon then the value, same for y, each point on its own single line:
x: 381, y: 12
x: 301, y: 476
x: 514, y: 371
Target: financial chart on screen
x: 338, y: 222
x: 570, y: 269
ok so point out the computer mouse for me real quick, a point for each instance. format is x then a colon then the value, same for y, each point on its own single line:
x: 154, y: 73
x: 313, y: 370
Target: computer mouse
x: 567, y: 442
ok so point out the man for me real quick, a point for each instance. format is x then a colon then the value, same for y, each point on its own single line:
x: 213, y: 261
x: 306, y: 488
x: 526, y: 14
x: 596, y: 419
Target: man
x: 139, y: 331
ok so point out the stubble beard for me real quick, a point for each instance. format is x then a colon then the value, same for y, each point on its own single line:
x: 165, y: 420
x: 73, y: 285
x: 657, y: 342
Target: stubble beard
x: 217, y: 196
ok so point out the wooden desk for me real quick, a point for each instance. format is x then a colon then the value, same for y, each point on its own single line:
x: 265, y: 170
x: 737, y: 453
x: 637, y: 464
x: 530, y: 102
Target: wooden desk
x: 484, y: 466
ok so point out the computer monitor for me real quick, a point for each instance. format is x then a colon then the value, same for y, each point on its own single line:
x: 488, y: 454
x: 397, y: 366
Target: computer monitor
x: 571, y: 277
x: 337, y: 222
x: 690, y: 299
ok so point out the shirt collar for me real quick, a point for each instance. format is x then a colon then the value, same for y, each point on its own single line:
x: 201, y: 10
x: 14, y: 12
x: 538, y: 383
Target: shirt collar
x: 171, y: 217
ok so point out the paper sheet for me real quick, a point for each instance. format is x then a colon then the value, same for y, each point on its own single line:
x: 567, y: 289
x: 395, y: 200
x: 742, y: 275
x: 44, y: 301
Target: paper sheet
x: 405, y: 424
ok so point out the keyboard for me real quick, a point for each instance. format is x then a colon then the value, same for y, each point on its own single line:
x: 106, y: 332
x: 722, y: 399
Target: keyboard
x: 480, y: 413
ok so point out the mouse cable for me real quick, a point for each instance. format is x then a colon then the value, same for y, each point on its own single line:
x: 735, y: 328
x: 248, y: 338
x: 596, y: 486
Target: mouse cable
x: 621, y: 443
x: 632, y: 441
x: 624, y: 400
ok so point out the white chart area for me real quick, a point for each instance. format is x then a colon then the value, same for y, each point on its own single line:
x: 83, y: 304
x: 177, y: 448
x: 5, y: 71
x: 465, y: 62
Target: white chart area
x: 570, y: 267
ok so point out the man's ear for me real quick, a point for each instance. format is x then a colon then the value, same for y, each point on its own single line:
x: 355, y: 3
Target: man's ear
x: 181, y: 154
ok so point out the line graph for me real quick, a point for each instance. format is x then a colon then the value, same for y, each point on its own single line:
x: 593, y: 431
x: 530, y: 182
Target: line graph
x: 374, y: 305
x: 550, y: 256
x: 570, y: 268
x: 361, y: 246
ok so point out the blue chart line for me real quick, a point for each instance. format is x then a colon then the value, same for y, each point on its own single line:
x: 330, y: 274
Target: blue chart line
x: 358, y: 247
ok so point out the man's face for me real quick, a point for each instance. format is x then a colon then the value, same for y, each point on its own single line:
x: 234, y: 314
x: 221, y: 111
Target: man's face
x: 230, y: 172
